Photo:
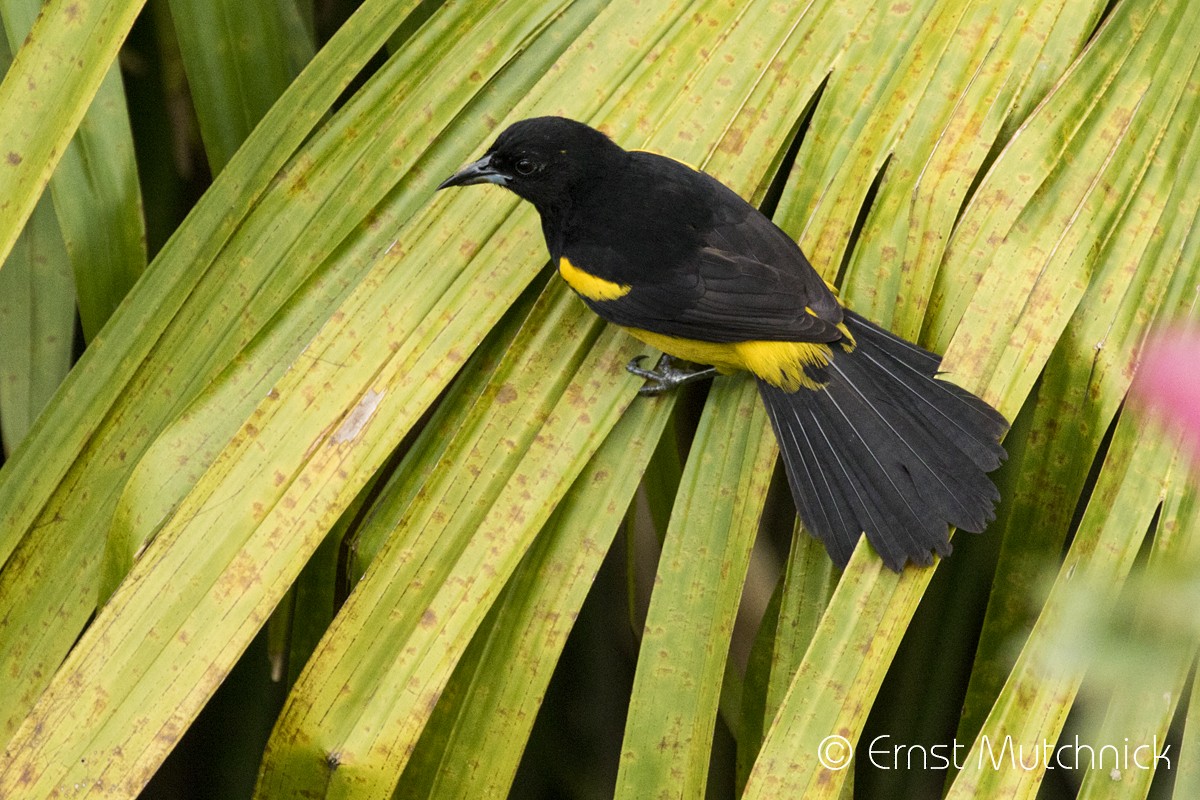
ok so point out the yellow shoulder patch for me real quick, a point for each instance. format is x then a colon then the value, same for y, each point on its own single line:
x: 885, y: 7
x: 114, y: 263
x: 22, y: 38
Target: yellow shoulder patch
x: 588, y: 285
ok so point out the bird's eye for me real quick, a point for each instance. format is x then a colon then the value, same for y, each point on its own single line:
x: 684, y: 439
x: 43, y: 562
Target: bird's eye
x: 524, y: 166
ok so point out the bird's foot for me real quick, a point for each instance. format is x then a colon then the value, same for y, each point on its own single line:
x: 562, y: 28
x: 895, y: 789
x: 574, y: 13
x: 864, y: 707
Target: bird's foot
x: 665, y: 376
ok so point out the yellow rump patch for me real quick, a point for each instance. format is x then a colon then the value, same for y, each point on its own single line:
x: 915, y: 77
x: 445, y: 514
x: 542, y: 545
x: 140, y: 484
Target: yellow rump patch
x: 588, y: 285
x: 847, y: 337
x: 778, y: 363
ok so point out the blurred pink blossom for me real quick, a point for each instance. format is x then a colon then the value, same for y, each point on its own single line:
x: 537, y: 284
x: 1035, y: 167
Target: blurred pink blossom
x: 1168, y: 380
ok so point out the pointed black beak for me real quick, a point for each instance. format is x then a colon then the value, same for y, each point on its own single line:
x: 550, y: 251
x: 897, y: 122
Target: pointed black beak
x: 476, y: 172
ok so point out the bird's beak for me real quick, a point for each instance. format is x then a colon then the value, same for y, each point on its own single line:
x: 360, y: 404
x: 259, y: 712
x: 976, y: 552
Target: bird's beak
x: 476, y: 172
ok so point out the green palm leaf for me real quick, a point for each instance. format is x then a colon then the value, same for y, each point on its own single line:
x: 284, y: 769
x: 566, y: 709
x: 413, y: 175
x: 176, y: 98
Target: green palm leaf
x: 327, y: 356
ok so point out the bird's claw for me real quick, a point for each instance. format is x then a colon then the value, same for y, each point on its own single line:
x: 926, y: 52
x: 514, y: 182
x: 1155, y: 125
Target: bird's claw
x: 665, y: 376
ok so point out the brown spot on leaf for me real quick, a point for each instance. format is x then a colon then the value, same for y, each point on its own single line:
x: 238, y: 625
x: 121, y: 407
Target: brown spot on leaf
x: 13, y: 158
x: 734, y: 141
x: 506, y: 394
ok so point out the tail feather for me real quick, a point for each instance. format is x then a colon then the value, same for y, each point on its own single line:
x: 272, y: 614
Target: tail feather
x: 970, y: 423
x: 880, y: 495
x: 818, y: 494
x: 887, y: 449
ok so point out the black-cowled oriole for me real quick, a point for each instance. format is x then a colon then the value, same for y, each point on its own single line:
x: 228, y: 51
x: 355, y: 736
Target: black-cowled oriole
x: 872, y: 441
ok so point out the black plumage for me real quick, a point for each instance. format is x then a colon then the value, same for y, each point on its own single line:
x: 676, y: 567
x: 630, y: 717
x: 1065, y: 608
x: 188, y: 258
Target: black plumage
x: 872, y: 441
x: 887, y: 449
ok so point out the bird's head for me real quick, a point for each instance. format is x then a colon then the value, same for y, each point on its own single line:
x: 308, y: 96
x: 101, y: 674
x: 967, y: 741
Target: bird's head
x: 545, y: 160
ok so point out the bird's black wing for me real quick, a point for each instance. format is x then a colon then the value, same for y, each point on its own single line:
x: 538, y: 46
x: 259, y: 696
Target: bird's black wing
x: 741, y: 279
x: 721, y: 298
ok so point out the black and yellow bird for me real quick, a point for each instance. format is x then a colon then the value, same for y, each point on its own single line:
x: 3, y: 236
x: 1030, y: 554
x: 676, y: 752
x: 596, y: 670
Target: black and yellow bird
x: 872, y: 441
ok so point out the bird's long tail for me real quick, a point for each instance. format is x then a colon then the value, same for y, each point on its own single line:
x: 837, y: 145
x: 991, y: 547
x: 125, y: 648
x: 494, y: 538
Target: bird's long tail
x: 887, y: 449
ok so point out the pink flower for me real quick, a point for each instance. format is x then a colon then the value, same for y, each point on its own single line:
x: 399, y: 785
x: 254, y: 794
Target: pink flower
x: 1168, y: 380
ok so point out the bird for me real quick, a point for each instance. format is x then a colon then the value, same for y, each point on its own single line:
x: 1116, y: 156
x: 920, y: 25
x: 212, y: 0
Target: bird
x: 872, y: 441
